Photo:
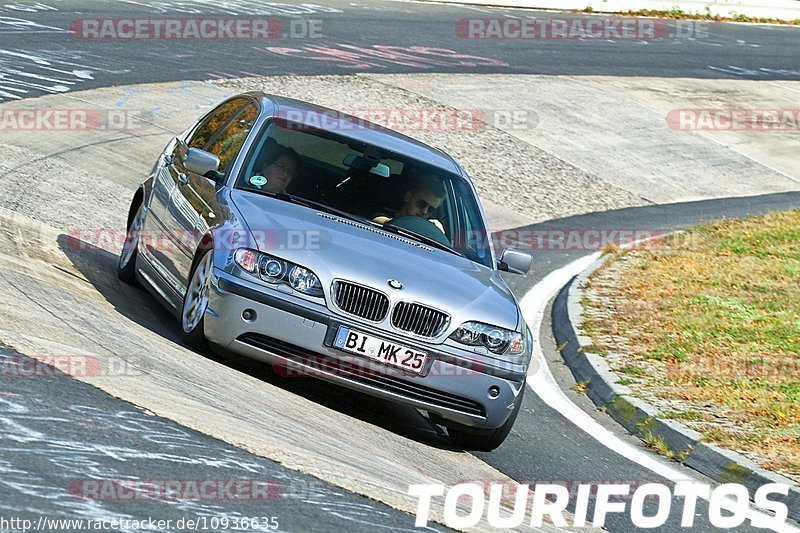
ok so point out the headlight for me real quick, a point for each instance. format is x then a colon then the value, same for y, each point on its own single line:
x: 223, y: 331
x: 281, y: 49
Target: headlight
x: 272, y: 269
x: 303, y: 280
x: 496, y: 340
x: 275, y: 270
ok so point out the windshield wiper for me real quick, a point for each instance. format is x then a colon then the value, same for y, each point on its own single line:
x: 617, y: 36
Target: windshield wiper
x: 419, y: 237
x: 315, y: 205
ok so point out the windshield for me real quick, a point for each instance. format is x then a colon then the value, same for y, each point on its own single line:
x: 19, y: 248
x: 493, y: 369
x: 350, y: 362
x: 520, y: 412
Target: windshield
x: 368, y: 183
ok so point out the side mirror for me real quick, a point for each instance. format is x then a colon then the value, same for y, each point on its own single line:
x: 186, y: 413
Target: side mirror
x: 203, y: 163
x: 515, y: 261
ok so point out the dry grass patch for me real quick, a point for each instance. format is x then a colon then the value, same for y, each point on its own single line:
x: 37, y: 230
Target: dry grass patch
x: 708, y: 328
x: 678, y: 13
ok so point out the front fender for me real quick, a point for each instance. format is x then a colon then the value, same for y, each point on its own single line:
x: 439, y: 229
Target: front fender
x: 142, y: 195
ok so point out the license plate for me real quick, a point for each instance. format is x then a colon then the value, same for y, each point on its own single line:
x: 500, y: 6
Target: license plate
x: 386, y: 352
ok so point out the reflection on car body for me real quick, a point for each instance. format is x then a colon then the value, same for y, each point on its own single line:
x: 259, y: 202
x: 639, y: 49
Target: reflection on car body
x: 399, y: 295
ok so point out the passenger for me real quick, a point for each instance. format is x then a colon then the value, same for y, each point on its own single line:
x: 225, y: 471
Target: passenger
x: 279, y: 171
x: 423, y: 199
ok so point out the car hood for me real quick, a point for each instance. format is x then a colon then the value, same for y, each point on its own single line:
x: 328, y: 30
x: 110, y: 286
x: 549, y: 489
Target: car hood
x: 337, y: 248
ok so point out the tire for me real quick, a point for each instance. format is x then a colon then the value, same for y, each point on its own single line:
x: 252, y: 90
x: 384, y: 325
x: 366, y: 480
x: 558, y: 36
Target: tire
x: 195, y: 302
x: 486, y: 440
x: 126, y: 268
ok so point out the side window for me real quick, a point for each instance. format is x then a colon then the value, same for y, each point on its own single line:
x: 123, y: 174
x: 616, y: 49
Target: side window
x: 227, y: 144
x: 471, y: 235
x: 214, y: 122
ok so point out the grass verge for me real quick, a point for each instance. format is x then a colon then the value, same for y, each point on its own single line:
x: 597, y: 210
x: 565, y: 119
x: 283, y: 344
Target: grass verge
x: 707, y: 327
x: 677, y: 13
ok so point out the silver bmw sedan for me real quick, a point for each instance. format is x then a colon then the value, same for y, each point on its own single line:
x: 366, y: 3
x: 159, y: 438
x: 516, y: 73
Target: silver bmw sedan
x: 331, y: 247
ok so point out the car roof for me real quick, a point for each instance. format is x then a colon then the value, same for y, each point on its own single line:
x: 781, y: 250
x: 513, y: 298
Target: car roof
x: 358, y: 130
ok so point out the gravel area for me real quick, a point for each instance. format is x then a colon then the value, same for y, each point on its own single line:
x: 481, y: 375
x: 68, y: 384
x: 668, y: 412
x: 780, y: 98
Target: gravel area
x: 507, y: 171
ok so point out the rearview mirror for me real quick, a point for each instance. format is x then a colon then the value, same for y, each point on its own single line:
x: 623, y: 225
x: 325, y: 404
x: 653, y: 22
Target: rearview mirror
x: 515, y: 261
x: 203, y: 163
x: 379, y: 169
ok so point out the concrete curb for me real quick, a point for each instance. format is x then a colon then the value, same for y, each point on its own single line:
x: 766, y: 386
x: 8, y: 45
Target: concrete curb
x: 641, y: 418
x: 786, y: 10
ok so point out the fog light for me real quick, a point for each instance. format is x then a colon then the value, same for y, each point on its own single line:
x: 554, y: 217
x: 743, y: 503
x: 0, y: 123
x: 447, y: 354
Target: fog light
x: 248, y: 315
x: 494, y: 391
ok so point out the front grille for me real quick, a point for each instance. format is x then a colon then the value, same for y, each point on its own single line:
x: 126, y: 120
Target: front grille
x: 418, y: 319
x: 361, y: 301
x: 317, y: 363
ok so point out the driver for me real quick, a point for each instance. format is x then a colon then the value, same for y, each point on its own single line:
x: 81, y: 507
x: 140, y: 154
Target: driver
x: 423, y: 199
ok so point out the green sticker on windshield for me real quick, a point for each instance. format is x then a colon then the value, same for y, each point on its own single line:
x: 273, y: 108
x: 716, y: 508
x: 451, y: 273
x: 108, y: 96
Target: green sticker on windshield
x: 258, y: 181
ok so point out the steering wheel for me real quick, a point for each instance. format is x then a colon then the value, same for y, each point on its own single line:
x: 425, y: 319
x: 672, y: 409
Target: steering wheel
x: 421, y: 226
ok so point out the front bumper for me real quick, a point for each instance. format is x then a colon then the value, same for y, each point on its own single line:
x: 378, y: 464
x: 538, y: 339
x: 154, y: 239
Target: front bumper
x: 295, y: 336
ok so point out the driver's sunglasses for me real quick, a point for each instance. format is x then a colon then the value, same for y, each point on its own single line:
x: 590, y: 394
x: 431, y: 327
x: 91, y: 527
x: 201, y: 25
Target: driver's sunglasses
x: 424, y: 206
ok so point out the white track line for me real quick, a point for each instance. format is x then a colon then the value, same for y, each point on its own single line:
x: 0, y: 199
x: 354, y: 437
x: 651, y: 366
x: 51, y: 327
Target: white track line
x: 542, y: 382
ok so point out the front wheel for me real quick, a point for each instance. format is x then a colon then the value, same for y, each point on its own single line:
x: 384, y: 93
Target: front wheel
x: 126, y: 270
x: 486, y: 440
x: 195, y: 302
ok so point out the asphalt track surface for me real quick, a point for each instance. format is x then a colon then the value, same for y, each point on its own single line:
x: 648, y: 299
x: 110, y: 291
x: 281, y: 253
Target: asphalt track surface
x: 61, y: 433
x: 544, y: 447
x: 38, y: 54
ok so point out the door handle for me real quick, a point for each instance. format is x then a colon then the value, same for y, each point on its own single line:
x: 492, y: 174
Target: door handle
x: 183, y: 178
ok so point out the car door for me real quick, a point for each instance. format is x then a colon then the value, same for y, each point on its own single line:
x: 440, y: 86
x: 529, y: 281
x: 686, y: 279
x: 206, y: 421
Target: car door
x: 176, y: 209
x: 195, y: 206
